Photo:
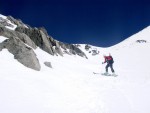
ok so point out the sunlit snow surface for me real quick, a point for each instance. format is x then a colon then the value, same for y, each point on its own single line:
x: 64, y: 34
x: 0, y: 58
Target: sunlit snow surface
x: 71, y: 87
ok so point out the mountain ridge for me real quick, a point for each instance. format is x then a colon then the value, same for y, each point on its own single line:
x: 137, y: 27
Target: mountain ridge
x: 34, y: 37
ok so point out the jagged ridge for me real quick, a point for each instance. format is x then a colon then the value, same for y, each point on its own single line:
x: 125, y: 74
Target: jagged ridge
x: 32, y: 38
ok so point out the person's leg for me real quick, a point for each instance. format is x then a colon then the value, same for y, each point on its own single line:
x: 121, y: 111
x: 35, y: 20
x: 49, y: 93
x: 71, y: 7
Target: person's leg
x: 107, y: 68
x: 111, y: 66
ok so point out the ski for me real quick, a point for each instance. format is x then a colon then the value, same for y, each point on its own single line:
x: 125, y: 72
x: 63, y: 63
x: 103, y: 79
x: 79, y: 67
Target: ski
x: 106, y: 74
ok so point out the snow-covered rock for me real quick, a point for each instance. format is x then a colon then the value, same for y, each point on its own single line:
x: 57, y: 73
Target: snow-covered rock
x: 7, y: 23
x: 22, y: 53
x: 33, y: 38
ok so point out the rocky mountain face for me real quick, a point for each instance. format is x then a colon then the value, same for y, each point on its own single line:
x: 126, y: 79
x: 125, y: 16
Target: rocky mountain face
x: 91, y: 50
x: 23, y: 39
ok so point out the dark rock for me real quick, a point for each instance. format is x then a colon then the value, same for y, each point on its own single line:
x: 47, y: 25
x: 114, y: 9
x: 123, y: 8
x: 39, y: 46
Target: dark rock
x: 95, y: 52
x: 48, y: 64
x: 72, y: 49
x: 141, y: 41
x: 87, y: 47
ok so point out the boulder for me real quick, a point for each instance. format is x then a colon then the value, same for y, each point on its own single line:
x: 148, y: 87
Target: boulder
x: 48, y: 64
x: 22, y: 53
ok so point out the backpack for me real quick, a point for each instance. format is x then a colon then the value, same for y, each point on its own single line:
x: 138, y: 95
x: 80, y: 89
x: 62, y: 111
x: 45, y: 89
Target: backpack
x: 111, y: 60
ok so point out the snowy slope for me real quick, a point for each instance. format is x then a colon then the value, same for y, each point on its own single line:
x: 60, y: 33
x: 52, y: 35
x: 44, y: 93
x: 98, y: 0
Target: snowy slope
x: 71, y: 87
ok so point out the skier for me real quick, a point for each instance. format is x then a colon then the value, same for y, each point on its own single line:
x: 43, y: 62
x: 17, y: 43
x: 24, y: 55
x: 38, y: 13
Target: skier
x: 109, y: 60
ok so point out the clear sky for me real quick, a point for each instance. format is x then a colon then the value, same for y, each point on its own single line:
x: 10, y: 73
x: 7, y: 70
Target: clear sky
x: 96, y: 22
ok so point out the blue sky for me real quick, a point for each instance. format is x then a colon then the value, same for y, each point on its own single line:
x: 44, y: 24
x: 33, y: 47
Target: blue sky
x: 96, y: 22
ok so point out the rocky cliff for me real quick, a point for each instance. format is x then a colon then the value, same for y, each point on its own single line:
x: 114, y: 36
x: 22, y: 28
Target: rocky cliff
x: 22, y: 40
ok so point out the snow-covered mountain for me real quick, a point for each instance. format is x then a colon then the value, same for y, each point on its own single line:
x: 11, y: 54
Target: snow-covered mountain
x: 70, y: 86
x: 22, y: 40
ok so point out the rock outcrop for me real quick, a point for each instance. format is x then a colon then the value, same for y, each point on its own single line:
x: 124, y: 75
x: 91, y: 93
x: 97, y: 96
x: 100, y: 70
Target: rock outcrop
x: 91, y: 50
x: 23, y: 39
x: 47, y: 43
x: 21, y: 52
x: 38, y: 37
